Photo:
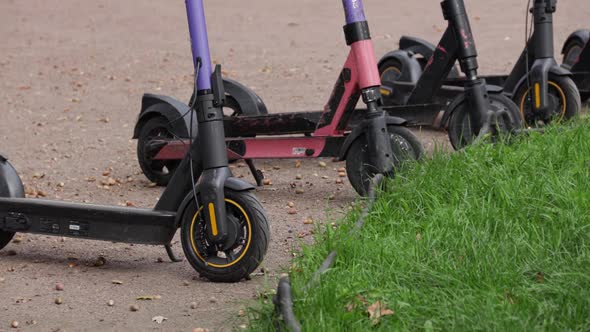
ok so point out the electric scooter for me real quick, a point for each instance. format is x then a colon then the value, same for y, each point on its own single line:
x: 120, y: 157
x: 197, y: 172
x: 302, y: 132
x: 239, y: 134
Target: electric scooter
x: 368, y: 139
x: 463, y: 109
x: 542, y: 90
x: 576, y: 58
x: 223, y: 227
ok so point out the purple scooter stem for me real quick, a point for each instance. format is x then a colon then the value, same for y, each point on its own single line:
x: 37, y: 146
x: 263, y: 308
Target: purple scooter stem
x: 353, y: 10
x: 199, y: 42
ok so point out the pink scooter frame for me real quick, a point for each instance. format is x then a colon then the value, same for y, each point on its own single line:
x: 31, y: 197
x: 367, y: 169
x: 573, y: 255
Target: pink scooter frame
x: 359, y: 72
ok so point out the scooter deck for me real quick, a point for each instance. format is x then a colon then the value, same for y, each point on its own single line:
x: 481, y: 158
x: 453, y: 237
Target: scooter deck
x: 88, y: 221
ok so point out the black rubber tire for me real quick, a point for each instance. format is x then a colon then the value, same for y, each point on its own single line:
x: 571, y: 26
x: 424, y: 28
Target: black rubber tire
x: 159, y: 172
x: 389, y: 70
x: 459, y: 127
x: 243, y: 205
x: 5, y: 238
x: 404, y: 143
x: 564, y: 98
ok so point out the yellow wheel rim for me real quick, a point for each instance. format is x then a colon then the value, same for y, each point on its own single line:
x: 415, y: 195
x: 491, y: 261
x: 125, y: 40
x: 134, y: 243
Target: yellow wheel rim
x: 248, y: 224
x: 561, y: 95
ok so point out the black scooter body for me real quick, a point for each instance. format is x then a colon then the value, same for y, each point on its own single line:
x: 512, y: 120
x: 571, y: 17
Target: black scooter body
x: 538, y: 54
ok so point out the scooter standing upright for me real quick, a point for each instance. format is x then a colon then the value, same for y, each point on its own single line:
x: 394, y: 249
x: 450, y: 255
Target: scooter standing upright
x: 371, y: 141
x: 542, y: 90
x: 224, y: 229
x: 467, y: 107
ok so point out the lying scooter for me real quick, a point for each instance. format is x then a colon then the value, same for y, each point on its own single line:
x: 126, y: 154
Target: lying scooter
x: 413, y: 89
x: 576, y: 58
x: 542, y: 89
x: 368, y: 139
x: 223, y: 227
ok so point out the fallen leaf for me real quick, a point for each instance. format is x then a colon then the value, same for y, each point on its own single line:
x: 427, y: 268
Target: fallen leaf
x: 378, y: 310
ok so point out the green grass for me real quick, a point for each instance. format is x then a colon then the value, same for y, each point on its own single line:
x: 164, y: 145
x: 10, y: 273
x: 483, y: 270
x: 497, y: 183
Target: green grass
x: 496, y: 237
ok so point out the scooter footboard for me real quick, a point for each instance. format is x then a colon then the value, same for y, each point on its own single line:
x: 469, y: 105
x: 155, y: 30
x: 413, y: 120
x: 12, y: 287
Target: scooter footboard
x: 119, y: 224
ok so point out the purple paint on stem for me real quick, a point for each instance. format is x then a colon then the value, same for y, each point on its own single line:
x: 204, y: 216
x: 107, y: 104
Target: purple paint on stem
x: 199, y: 42
x: 354, y: 11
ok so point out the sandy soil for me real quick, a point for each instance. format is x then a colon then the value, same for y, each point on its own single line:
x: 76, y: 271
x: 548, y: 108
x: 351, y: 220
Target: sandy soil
x: 72, y: 74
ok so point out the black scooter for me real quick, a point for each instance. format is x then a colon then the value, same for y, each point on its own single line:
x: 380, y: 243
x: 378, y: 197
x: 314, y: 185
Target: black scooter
x: 541, y: 88
x: 576, y: 58
x: 224, y: 229
x: 412, y: 88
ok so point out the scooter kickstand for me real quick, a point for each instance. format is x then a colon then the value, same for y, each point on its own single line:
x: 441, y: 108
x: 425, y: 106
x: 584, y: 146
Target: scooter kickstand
x: 171, y: 254
x: 256, y: 173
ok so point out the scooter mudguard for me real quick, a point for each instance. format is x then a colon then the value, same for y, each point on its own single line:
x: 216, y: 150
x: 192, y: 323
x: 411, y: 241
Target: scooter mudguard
x: 425, y: 49
x: 10, y: 183
x: 417, y: 46
x: 230, y: 183
x: 176, y: 111
x: 410, y: 74
x: 582, y: 35
x: 360, y: 130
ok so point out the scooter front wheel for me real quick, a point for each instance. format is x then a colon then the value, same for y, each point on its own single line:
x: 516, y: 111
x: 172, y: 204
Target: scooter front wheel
x: 460, y: 131
x: 405, y: 146
x: 247, y: 219
x: 563, y: 101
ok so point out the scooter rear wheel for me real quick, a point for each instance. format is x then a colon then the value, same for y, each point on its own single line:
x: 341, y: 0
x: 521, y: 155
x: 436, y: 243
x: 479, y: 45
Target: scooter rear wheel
x: 157, y: 171
x: 247, y: 217
x: 460, y: 131
x: 564, y: 101
x: 405, y: 145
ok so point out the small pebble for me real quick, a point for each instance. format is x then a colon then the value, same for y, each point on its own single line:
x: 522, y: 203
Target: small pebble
x: 134, y: 307
x: 59, y: 301
x: 267, y: 182
x: 212, y: 299
x: 186, y: 283
x: 200, y: 329
x: 338, y: 181
x: 291, y: 204
x: 342, y: 174
x: 292, y: 211
x: 59, y: 286
x: 111, y: 303
x: 160, y: 260
x: 193, y: 305
x: 341, y: 170
x: 322, y: 164
x: 298, y: 177
x: 299, y: 191
x: 14, y: 324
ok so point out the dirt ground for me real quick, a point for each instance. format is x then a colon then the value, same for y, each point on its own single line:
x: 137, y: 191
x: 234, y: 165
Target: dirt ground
x: 72, y: 74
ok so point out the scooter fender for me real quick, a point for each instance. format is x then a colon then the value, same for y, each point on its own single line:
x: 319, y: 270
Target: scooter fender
x: 176, y: 111
x: 417, y: 46
x: 582, y: 35
x: 411, y: 71
x: 10, y: 183
x: 539, y: 77
x: 230, y: 183
x: 444, y: 123
x: 360, y: 130
x: 425, y: 49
